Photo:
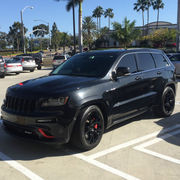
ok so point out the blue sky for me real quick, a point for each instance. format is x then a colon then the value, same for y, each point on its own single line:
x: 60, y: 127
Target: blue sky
x: 52, y: 11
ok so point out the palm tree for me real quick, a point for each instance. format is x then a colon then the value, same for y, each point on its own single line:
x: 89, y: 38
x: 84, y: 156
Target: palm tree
x: 109, y: 13
x: 89, y: 27
x: 68, y: 7
x: 98, y: 12
x: 125, y: 33
x: 140, y: 5
x: 148, y: 4
x: 157, y: 5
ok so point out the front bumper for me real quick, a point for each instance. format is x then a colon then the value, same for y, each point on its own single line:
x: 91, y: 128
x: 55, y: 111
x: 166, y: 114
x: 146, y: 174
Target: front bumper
x: 30, y: 127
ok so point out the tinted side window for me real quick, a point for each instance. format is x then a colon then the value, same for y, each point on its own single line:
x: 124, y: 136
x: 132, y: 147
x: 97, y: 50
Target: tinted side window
x: 128, y: 61
x: 145, y: 61
x: 160, y: 60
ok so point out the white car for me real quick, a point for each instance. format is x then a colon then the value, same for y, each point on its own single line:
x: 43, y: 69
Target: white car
x: 13, y: 67
x: 28, y: 63
x: 59, y: 59
x: 175, y: 59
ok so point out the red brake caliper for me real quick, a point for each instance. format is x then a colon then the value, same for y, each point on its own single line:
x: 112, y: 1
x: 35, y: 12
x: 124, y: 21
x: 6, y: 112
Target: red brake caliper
x: 96, y: 126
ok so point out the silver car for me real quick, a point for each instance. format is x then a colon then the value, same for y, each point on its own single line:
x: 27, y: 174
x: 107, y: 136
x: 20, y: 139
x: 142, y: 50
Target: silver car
x: 175, y: 59
x: 59, y: 59
x: 12, y: 66
x: 28, y: 63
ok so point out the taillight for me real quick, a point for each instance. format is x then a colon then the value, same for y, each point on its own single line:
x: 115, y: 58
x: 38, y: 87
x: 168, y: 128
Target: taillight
x: 9, y: 65
x: 19, y: 65
x: 22, y: 60
x: 5, y: 66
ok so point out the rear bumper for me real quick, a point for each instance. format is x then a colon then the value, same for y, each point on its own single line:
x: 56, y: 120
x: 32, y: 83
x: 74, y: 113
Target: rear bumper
x: 29, y: 127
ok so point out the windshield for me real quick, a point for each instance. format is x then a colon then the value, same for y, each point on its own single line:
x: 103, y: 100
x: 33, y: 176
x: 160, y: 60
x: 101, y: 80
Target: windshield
x: 87, y: 64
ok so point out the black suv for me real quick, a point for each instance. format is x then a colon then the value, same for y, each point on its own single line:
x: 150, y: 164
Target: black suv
x: 89, y: 93
x: 2, y: 67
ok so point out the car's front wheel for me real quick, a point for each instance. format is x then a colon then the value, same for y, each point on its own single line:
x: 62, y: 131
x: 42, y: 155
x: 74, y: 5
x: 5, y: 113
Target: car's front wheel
x: 88, y: 129
x: 167, y: 103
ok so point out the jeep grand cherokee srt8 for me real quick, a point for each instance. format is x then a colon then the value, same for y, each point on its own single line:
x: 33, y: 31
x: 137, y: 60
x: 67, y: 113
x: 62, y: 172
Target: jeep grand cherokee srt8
x: 89, y: 93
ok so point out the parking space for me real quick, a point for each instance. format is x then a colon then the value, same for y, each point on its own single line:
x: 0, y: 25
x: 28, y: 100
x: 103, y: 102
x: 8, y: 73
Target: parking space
x: 145, y: 147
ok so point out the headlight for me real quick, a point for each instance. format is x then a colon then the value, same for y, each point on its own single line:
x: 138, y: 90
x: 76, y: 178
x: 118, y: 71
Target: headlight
x: 54, y: 102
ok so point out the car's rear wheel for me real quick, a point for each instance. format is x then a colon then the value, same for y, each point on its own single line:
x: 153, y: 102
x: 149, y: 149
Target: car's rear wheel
x: 17, y: 73
x: 89, y: 128
x: 167, y: 103
x: 2, y: 75
x: 32, y: 70
x: 39, y: 67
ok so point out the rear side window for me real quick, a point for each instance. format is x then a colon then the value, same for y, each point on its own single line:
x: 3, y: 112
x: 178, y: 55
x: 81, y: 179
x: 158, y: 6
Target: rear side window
x: 160, y: 60
x: 145, y: 61
x: 59, y: 57
x: 130, y: 62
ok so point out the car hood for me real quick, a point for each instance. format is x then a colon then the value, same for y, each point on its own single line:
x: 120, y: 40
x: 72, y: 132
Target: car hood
x: 51, y: 85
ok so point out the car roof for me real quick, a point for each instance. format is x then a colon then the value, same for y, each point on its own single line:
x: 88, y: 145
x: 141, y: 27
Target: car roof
x: 120, y: 51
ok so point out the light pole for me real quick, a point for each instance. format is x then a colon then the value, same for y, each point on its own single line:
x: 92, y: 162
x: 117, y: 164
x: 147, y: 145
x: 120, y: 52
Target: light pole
x: 178, y: 28
x: 22, y: 26
x: 48, y: 30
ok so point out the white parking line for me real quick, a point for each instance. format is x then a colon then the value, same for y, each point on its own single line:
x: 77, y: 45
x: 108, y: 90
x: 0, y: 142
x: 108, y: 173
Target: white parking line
x: 19, y: 167
x: 131, y: 142
x: 177, y: 103
x: 156, y: 140
x: 106, y: 167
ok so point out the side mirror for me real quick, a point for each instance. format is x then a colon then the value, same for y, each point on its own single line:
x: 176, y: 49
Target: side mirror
x: 120, y: 71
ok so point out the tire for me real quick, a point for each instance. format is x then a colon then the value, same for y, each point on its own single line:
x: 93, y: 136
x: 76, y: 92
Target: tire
x: 2, y: 76
x: 88, y: 129
x: 17, y: 73
x: 32, y: 70
x: 39, y: 67
x: 167, y: 103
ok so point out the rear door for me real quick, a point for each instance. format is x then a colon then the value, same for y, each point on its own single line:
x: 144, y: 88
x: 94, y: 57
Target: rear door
x: 146, y: 65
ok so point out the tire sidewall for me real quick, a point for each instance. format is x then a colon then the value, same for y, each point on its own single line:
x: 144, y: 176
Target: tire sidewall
x: 166, y: 90
x: 83, y: 119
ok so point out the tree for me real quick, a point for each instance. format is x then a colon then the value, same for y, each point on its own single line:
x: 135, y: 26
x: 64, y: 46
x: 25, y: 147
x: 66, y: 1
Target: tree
x: 157, y: 5
x: 109, y: 13
x: 40, y: 31
x: 3, y: 40
x: 148, y: 4
x: 68, y: 7
x: 64, y: 40
x: 89, y: 28
x: 97, y: 13
x: 140, y: 5
x: 161, y: 37
x: 125, y: 33
x: 54, y: 36
x: 15, y: 35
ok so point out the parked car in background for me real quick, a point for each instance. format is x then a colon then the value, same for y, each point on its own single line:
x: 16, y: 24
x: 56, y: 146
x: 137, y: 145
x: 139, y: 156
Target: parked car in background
x: 2, y: 67
x: 175, y: 59
x: 59, y: 59
x: 28, y: 63
x: 37, y: 57
x: 89, y: 93
x: 12, y: 66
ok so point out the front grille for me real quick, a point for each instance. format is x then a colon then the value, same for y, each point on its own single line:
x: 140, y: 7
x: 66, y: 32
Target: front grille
x: 20, y: 105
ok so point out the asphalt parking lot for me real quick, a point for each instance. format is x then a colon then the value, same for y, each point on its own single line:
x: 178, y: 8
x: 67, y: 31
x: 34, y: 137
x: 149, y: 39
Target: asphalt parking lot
x: 145, y: 147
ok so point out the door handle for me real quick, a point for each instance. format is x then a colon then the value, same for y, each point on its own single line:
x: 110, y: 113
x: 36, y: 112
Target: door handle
x: 158, y: 73
x: 138, y: 78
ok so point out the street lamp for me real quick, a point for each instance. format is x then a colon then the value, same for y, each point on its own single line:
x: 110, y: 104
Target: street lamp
x: 22, y: 26
x: 48, y: 30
